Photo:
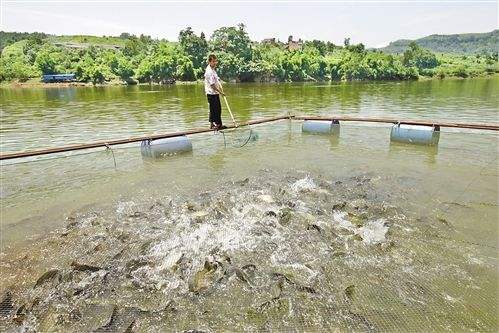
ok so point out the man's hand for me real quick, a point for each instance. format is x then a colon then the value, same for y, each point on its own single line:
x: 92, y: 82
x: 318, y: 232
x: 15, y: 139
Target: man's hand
x: 221, y: 89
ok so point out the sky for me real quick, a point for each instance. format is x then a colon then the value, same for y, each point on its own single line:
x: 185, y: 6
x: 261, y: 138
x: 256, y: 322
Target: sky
x: 372, y: 22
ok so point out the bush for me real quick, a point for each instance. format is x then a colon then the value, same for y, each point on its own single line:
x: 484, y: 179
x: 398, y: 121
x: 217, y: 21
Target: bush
x: 440, y: 74
x: 461, y: 71
x: 16, y: 69
x: 418, y: 57
x: 121, y: 67
x: 46, y: 60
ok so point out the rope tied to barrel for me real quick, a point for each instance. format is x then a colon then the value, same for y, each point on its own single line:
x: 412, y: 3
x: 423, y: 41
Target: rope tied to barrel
x: 108, y: 148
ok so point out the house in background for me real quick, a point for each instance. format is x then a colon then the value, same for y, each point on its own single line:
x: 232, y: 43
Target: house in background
x: 291, y: 45
x: 271, y: 41
x: 294, y: 45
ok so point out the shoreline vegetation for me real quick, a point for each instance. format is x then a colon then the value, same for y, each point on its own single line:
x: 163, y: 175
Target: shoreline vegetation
x: 130, y: 59
x: 37, y: 83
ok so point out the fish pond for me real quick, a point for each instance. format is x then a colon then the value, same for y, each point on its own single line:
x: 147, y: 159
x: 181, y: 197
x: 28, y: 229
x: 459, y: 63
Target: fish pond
x: 291, y: 232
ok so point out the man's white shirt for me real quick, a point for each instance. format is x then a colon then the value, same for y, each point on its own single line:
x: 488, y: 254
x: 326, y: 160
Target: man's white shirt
x: 210, y: 77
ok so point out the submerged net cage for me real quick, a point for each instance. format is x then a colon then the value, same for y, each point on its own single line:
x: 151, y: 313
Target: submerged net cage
x: 294, y: 232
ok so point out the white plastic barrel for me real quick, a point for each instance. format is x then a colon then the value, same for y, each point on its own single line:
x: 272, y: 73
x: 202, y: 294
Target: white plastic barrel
x: 416, y: 134
x: 321, y: 126
x: 166, y: 146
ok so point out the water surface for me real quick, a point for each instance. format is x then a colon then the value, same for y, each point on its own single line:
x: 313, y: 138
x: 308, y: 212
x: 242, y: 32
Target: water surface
x: 374, y: 228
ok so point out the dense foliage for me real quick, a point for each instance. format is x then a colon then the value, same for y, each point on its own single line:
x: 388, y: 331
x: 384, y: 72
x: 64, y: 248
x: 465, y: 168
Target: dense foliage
x: 132, y: 59
x: 470, y: 44
x: 7, y: 38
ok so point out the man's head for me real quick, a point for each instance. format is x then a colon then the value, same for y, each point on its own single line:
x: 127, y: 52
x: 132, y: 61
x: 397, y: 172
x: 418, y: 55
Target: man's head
x: 212, y: 60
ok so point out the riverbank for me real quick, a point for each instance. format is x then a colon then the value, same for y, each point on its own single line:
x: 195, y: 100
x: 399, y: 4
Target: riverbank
x: 36, y: 83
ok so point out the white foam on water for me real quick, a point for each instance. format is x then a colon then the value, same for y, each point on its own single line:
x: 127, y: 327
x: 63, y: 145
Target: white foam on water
x: 339, y: 218
x: 197, y: 241
x: 451, y: 299
x: 300, y: 206
x: 304, y: 185
x: 373, y: 232
x: 125, y: 207
x: 171, y: 259
x: 309, y: 272
x: 474, y: 260
x: 266, y: 198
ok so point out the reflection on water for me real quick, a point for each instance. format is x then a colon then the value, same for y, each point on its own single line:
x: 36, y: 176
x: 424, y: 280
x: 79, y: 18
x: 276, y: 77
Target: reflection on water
x: 37, y: 118
x: 427, y: 153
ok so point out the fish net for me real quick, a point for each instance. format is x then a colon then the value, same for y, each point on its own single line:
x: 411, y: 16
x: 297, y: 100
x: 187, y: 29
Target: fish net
x: 239, y: 137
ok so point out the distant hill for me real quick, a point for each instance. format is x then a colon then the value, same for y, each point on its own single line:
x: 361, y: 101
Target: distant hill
x: 459, y: 44
x: 8, y: 38
x: 84, y: 41
x: 69, y: 41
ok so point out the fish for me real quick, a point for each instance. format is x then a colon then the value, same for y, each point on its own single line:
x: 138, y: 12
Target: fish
x: 48, y: 276
x: 84, y: 268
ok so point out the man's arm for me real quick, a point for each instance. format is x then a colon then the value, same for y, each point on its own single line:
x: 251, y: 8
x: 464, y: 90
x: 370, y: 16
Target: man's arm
x: 215, y: 84
x: 218, y: 88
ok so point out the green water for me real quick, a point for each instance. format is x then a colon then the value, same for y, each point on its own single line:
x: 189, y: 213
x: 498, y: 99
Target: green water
x: 48, y: 117
x: 452, y: 188
x: 41, y: 117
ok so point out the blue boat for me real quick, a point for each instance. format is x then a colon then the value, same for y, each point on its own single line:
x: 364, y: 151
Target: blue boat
x: 58, y: 78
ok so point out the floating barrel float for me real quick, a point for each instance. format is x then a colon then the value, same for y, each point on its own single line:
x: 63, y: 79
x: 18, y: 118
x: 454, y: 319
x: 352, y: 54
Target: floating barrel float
x: 415, y: 134
x: 321, y: 127
x: 432, y: 128
x: 164, y: 147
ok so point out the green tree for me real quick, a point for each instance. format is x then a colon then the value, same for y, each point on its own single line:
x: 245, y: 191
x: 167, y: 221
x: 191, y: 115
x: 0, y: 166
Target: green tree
x: 195, y: 47
x: 166, y: 64
x: 419, y: 57
x: 185, y: 69
x: 233, y: 40
x: 318, y: 45
x: 233, y: 48
x: 47, y: 59
x: 88, y: 69
x: 357, y: 48
x: 267, y: 62
x: 230, y: 66
x: 16, y: 68
x: 122, y: 67
x: 133, y: 46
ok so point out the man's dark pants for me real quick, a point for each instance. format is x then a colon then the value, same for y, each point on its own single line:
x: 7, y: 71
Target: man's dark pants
x: 215, y: 109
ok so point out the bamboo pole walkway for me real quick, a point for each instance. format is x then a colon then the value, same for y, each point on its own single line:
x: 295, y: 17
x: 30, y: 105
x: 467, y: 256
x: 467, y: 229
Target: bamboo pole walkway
x: 67, y: 148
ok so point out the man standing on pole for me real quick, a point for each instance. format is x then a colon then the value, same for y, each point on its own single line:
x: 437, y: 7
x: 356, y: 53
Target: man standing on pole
x: 213, y: 89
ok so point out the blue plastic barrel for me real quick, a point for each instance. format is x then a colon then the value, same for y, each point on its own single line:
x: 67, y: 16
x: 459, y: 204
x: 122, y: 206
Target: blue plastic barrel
x: 165, y: 147
x: 321, y: 127
x: 416, y: 134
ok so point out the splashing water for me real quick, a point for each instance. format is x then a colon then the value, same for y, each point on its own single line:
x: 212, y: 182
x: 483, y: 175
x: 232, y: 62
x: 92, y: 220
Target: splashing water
x: 275, y: 252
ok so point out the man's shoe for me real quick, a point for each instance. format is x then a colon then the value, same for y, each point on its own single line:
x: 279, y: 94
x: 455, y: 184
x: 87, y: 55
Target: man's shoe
x: 222, y: 127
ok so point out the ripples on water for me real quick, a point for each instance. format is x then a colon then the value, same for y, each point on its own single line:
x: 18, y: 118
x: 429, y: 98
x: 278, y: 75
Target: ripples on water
x: 291, y: 231
x: 36, y: 118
